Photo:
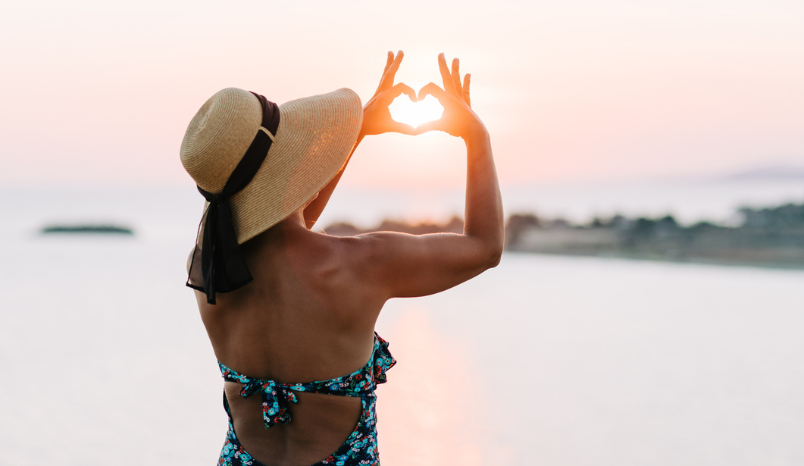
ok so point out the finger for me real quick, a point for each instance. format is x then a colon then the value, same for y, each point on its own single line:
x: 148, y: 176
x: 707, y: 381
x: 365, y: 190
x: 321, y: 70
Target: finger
x: 402, y: 128
x: 434, y: 125
x: 388, y: 62
x: 456, y: 76
x: 449, y: 86
x: 399, y: 89
x: 467, y: 80
x: 410, y: 93
x: 390, y: 73
x: 433, y: 90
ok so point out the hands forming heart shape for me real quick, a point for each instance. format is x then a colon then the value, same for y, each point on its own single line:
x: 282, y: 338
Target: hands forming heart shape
x: 414, y: 114
x: 458, y: 119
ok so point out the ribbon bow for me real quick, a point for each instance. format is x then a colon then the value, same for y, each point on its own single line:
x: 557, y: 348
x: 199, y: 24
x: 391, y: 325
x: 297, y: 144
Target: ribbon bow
x: 275, y: 399
x: 223, y: 267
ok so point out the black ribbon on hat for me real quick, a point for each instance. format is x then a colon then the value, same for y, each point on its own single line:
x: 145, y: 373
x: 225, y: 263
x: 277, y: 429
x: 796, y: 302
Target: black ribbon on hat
x: 223, y: 267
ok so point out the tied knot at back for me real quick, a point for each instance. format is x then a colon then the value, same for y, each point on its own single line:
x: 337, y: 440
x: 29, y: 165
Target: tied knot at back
x: 215, y: 198
x: 275, y: 400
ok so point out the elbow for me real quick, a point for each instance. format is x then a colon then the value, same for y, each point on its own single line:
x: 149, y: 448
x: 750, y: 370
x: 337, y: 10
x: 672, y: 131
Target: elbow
x: 485, y: 254
x: 493, y: 256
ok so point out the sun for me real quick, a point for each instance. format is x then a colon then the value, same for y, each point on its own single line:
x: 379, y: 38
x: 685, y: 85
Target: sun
x: 415, y: 113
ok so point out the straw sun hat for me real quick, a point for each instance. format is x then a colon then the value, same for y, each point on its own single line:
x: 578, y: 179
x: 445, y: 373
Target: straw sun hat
x: 313, y: 139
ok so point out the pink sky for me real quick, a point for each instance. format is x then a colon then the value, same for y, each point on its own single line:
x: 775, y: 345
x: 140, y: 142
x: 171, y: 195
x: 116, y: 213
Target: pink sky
x: 99, y: 93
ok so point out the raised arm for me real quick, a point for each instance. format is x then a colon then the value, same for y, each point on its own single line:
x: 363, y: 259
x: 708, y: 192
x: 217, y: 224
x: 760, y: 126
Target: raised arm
x: 376, y: 120
x: 402, y: 265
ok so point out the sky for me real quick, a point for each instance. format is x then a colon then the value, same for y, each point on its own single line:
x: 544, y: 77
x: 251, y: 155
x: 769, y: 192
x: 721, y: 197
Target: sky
x: 100, y: 93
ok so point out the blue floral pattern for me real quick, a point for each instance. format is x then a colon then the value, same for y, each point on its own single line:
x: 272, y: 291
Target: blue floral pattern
x: 360, y: 449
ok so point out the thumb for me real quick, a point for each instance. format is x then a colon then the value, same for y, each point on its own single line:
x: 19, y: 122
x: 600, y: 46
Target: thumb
x: 435, y: 125
x: 397, y: 127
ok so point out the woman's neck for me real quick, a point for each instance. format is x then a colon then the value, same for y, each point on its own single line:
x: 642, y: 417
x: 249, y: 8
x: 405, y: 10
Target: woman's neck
x: 278, y: 235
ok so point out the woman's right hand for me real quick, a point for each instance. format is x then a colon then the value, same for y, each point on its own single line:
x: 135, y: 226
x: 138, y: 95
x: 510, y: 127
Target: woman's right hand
x: 377, y: 117
x: 458, y: 118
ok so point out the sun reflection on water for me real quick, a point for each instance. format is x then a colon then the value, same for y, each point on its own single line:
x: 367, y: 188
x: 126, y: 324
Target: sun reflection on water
x: 432, y: 410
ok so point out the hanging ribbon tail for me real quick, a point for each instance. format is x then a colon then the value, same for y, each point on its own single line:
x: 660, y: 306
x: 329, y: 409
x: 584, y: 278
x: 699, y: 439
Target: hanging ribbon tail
x: 222, y: 261
x: 275, y: 399
x: 208, y: 250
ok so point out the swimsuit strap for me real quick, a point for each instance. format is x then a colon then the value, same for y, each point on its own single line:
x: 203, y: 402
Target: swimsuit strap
x: 276, y: 396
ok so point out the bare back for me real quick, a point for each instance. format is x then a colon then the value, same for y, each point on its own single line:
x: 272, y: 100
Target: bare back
x: 304, y: 318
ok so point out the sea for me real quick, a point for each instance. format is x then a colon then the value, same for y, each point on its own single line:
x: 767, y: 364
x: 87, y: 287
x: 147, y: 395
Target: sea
x: 544, y: 360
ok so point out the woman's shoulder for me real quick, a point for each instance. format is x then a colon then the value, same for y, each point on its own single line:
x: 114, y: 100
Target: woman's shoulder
x: 336, y: 258
x: 341, y: 267
x: 353, y: 257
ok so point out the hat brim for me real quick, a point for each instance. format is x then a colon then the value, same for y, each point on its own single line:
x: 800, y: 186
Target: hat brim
x: 314, y: 138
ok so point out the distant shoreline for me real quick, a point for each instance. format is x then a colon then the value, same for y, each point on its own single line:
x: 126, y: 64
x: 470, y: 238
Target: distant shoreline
x: 771, y: 237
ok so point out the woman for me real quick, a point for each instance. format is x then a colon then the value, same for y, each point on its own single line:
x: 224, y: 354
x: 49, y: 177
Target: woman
x: 285, y: 306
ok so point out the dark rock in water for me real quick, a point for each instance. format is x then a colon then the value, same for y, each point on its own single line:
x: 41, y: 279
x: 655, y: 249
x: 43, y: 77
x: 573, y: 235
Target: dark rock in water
x: 93, y: 229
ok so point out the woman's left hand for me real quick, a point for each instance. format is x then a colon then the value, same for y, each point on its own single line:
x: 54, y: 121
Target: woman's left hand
x: 376, y: 116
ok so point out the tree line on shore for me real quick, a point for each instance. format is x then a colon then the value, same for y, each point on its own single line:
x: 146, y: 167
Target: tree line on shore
x: 770, y: 236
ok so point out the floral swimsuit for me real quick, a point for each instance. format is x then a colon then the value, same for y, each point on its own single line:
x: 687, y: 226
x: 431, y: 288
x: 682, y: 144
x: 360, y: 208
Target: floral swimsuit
x: 361, y: 446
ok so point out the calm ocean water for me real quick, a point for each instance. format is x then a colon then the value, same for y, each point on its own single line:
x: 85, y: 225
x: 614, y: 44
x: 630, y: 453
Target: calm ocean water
x: 543, y: 360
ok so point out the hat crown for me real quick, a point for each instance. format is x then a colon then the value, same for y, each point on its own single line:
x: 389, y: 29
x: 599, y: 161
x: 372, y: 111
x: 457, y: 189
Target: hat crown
x: 219, y: 135
x: 314, y: 139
